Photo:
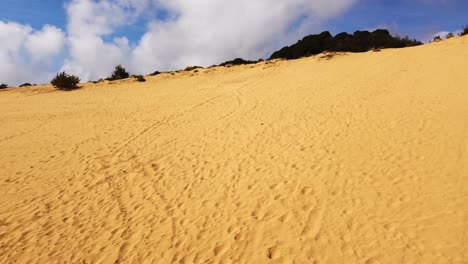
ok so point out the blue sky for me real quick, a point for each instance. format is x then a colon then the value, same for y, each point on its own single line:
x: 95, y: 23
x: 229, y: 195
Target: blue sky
x: 89, y: 37
x: 418, y: 19
x: 407, y: 17
x: 34, y: 12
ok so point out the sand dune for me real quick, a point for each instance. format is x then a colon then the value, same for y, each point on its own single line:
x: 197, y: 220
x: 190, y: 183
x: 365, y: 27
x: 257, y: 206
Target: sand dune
x: 361, y: 158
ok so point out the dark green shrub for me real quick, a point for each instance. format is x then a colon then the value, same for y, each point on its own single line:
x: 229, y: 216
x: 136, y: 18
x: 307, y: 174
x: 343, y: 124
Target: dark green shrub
x: 465, y: 31
x: 359, y: 41
x: 155, y: 73
x: 25, y: 85
x: 119, y: 73
x: 191, y: 68
x: 449, y: 35
x: 237, y: 61
x: 437, y: 38
x: 3, y: 86
x: 139, y: 78
x: 63, y: 81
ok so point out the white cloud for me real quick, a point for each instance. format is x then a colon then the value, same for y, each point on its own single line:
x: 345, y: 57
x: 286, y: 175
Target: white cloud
x: 26, y: 54
x: 198, y: 32
x: 204, y: 32
x: 88, y: 22
x: 91, y: 57
x: 45, y: 43
x: 90, y: 17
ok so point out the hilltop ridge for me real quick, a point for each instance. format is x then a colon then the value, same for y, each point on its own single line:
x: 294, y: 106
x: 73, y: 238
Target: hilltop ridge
x: 359, y: 41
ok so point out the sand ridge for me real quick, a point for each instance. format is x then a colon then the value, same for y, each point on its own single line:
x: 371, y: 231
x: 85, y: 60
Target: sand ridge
x: 361, y: 158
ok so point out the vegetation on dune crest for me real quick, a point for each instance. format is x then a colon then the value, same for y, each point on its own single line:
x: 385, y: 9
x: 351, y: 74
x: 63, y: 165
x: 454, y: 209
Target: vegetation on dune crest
x: 3, y: 86
x: 237, y: 61
x: 191, y: 68
x: 139, y: 78
x: 119, y: 73
x: 465, y: 31
x: 63, y: 81
x: 360, y: 41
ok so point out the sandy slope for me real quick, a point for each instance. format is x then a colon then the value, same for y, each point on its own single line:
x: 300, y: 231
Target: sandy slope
x: 359, y: 159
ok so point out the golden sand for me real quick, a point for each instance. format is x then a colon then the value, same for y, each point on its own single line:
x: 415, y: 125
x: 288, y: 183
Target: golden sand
x: 361, y: 158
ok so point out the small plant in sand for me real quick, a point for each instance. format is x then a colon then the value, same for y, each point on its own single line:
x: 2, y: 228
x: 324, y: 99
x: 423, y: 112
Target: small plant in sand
x: 65, y: 82
x: 191, y: 68
x: 465, y: 31
x: 139, y: 78
x: 449, y: 35
x: 437, y: 39
x: 3, y: 86
x: 25, y: 85
x: 119, y: 73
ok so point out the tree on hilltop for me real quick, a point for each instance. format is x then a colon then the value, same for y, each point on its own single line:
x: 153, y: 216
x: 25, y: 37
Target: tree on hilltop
x: 119, y: 73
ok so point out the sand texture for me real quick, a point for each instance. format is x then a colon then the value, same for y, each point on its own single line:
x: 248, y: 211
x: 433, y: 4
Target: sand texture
x: 355, y: 158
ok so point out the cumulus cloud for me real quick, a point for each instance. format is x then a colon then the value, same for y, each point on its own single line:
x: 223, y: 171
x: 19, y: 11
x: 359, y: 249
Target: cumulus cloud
x: 90, y: 17
x: 25, y: 53
x: 88, y: 22
x: 91, y: 57
x: 178, y: 33
x: 204, y: 32
x: 44, y: 44
x: 195, y: 32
